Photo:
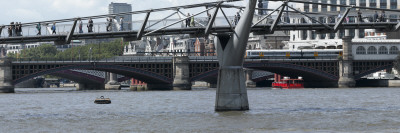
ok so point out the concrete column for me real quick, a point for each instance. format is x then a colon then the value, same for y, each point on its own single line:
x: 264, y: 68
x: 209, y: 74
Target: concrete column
x: 249, y: 81
x: 309, y: 35
x: 90, y: 86
x: 356, y: 31
x: 318, y: 36
x: 6, y: 85
x: 231, y: 89
x: 113, y: 83
x: 346, y: 77
x: 327, y: 36
x: 231, y: 92
x: 181, y: 71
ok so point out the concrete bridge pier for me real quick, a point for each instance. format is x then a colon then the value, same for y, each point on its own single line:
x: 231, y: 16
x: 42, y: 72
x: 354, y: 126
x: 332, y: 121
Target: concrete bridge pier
x: 6, y: 85
x: 83, y: 86
x: 231, y: 88
x: 346, y: 77
x: 113, y: 83
x: 181, y: 73
x: 249, y: 82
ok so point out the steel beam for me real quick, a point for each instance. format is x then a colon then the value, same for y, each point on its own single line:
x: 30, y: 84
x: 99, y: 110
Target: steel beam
x: 1, y: 30
x: 140, y: 32
x: 161, y: 20
x: 211, y: 22
x: 336, y: 28
x: 278, y: 18
x: 259, y: 21
x: 71, y: 32
x: 397, y: 27
x: 328, y: 27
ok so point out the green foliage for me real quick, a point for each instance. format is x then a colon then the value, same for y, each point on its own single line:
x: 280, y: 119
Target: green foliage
x: 49, y: 52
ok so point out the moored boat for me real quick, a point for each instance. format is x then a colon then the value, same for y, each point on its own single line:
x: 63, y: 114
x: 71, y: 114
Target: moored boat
x: 102, y: 100
x: 287, y: 83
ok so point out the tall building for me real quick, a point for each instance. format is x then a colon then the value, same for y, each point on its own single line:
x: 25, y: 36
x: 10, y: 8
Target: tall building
x: 330, y: 14
x: 119, y: 8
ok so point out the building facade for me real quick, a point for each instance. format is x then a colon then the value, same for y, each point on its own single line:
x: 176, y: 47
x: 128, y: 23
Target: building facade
x: 330, y: 14
x: 120, y: 8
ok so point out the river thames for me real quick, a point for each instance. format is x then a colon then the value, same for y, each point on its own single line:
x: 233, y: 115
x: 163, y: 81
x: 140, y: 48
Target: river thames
x: 304, y: 110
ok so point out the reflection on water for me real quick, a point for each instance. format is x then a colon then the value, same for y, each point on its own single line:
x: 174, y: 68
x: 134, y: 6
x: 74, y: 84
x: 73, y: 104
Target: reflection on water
x: 305, y: 110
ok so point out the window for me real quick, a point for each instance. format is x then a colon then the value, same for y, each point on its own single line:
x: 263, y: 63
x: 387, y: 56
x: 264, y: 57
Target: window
x: 394, y: 50
x: 343, y: 2
x: 372, y: 3
x: 353, y: 2
x: 306, y: 7
x: 360, y: 50
x: 383, y: 4
x: 363, y: 3
x: 333, y: 8
x: 383, y: 50
x: 393, y: 4
x: 315, y: 6
x: 372, y: 50
x: 324, y: 8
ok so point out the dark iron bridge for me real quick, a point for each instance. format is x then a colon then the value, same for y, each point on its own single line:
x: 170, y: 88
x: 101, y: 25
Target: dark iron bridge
x: 160, y: 70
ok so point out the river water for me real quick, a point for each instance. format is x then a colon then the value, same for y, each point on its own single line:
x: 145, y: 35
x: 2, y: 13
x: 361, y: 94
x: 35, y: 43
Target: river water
x: 305, y: 110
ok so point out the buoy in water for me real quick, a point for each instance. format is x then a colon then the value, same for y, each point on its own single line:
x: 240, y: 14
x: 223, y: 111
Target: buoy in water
x: 102, y: 100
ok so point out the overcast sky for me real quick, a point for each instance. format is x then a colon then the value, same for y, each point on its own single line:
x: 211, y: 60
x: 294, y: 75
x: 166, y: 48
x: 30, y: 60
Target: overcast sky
x: 42, y: 10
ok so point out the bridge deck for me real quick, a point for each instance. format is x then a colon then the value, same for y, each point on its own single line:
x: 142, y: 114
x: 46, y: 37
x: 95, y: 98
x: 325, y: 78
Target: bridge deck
x: 198, y: 31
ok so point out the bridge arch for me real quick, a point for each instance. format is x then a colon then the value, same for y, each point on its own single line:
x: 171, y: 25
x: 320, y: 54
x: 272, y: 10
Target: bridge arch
x: 365, y: 73
x: 308, y: 73
x: 145, y: 76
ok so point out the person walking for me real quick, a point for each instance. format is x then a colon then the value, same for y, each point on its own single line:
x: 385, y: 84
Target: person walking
x: 9, y: 29
x: 383, y: 17
x: 80, y: 26
x: 376, y: 16
x: 238, y: 16
x: 39, y: 29
x: 260, y: 5
x: 53, y: 28
x: 359, y: 16
x: 13, y: 26
x: 192, y: 21
x: 339, y: 16
x: 90, y: 25
x: 121, y: 23
x: 188, y: 20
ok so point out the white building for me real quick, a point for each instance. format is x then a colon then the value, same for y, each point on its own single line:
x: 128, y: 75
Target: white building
x: 311, y: 39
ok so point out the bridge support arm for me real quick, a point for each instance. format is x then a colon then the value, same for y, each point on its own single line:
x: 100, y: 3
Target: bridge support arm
x: 71, y: 32
x: 140, y: 33
x: 396, y: 28
x: 259, y: 21
x: 326, y: 26
x: 211, y: 22
x: 336, y: 28
x: 278, y: 18
x: 1, y: 29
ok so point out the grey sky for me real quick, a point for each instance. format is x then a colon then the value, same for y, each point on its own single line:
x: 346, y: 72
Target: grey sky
x: 41, y: 10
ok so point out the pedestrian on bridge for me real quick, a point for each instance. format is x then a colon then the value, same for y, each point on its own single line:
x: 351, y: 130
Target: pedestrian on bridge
x: 121, y: 23
x: 383, y: 17
x: 359, y: 16
x: 9, y: 29
x: 90, y: 25
x: 19, y: 33
x: 338, y: 16
x: 80, y: 26
x: 39, y: 29
x: 109, y: 22
x: 53, y: 28
x: 376, y: 16
x: 260, y: 5
x: 13, y: 26
x: 188, y: 20
x: 192, y: 24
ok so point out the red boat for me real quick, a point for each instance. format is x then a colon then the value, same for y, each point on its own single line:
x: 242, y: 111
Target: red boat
x: 287, y: 83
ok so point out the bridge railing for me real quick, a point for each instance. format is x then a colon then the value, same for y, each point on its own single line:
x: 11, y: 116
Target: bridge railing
x: 141, y: 59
